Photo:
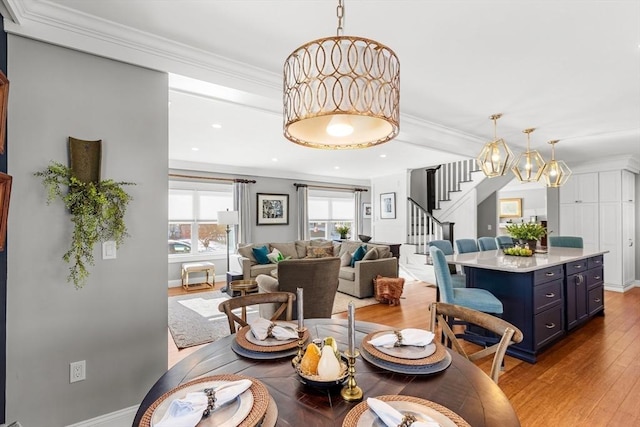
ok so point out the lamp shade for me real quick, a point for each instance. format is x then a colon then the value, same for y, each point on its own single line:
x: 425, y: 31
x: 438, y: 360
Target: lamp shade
x: 228, y: 217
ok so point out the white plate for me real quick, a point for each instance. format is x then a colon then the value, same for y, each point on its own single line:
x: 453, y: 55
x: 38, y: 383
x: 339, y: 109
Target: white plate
x: 407, y: 369
x: 228, y: 416
x: 409, y: 351
x: 270, y: 342
x: 370, y: 419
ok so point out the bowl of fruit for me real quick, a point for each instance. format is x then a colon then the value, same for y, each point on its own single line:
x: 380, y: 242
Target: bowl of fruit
x: 322, y: 365
x: 518, y: 251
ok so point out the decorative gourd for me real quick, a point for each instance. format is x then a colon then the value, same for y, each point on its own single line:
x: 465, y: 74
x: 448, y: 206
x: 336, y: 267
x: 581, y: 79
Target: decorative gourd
x: 329, y: 366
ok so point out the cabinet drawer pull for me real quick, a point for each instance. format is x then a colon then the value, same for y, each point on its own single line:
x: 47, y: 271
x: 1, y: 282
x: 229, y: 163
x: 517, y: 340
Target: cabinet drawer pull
x: 598, y: 262
x: 597, y: 300
x: 549, y: 274
x: 577, y: 266
x: 550, y: 295
x: 596, y: 277
x: 550, y: 325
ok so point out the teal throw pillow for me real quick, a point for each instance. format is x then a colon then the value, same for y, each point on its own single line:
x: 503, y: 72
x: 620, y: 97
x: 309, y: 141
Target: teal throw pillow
x: 261, y: 255
x: 358, y: 255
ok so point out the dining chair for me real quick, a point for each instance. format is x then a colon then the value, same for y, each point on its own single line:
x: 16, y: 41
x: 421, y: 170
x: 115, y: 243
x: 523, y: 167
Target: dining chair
x: 487, y: 243
x: 443, y: 313
x: 504, y: 242
x: 566, y: 241
x: 466, y: 245
x: 284, y: 298
x: 457, y: 280
x: 474, y: 298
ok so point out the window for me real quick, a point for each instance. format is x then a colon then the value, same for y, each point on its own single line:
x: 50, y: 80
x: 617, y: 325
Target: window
x: 193, y: 218
x: 328, y: 209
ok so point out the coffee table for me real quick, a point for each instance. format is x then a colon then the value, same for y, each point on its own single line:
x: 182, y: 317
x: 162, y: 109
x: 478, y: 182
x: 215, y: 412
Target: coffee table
x: 244, y: 287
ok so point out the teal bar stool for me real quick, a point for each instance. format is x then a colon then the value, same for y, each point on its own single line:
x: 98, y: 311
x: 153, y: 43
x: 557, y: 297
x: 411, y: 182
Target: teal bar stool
x: 466, y: 245
x: 566, y: 241
x: 474, y: 298
x: 504, y: 242
x: 457, y: 280
x: 487, y: 244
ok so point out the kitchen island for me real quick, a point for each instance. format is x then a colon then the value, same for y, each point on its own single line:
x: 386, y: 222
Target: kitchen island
x: 545, y: 295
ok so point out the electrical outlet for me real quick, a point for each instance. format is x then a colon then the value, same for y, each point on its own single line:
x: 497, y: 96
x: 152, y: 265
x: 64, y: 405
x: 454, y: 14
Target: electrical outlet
x: 77, y: 371
x: 109, y: 250
x: 489, y: 227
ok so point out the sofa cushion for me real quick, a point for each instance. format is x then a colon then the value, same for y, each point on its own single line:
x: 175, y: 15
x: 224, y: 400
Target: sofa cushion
x: 260, y: 253
x: 347, y: 273
x: 319, y: 251
x: 287, y: 249
x: 247, y: 251
x: 358, y: 255
x: 345, y: 259
x: 321, y: 242
x: 301, y: 247
x: 349, y: 246
x: 372, y: 253
x: 383, y: 251
x: 262, y: 269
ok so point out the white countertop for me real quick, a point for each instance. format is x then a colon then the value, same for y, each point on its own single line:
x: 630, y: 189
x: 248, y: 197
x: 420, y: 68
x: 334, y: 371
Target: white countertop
x: 497, y: 260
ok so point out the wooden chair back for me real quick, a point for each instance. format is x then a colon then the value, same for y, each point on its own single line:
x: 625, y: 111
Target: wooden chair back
x: 236, y: 322
x: 443, y: 314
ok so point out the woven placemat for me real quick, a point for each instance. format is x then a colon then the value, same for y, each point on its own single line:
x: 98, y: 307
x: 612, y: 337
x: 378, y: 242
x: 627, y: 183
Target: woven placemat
x: 241, y: 339
x: 260, y: 393
x: 351, y: 420
x: 437, y: 356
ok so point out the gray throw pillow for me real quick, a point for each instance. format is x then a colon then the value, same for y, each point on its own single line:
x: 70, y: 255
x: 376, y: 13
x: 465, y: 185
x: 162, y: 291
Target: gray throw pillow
x: 345, y: 259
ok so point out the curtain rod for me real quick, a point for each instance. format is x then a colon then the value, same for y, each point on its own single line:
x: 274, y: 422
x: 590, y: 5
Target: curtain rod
x: 247, y: 181
x: 328, y: 187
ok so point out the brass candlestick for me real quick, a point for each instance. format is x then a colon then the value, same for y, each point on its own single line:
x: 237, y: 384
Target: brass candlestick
x: 296, y: 360
x: 351, y: 392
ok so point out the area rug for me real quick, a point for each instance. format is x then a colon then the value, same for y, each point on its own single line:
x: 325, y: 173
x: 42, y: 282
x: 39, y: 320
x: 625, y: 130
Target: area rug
x: 342, y: 300
x: 195, y: 319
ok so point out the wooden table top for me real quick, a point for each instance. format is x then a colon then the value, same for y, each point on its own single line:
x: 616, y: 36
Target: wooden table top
x: 462, y: 387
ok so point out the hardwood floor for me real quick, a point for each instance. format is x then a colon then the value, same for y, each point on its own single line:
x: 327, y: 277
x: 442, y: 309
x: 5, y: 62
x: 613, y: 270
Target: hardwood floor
x: 591, y: 378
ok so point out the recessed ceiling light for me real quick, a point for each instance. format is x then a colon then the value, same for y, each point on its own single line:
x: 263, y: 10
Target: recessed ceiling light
x: 195, y: 149
x: 216, y: 126
x: 383, y: 155
x: 274, y: 160
x: 336, y: 167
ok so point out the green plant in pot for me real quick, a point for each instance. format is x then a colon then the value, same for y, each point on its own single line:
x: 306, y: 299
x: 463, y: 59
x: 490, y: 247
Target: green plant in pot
x: 97, y: 213
x: 527, y: 232
x: 343, y: 230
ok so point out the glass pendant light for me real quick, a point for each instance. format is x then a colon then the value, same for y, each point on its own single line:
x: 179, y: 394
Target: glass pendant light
x: 529, y: 166
x: 495, y: 157
x: 556, y: 172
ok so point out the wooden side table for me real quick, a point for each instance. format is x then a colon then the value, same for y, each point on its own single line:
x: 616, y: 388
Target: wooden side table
x: 190, y: 267
x: 244, y: 287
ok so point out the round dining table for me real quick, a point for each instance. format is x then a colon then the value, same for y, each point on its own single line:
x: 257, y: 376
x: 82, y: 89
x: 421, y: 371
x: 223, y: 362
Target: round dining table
x: 462, y: 387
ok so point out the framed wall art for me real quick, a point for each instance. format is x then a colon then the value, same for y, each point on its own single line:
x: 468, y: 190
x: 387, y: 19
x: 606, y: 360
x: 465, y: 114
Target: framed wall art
x: 388, y: 205
x: 366, y: 210
x: 5, y: 194
x: 510, y: 208
x: 273, y: 209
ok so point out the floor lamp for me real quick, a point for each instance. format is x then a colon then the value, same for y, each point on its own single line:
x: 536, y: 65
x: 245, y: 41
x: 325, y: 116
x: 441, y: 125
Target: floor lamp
x: 228, y: 218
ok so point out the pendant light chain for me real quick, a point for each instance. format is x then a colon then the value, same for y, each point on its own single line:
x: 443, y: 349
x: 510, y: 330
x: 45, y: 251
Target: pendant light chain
x: 340, y: 14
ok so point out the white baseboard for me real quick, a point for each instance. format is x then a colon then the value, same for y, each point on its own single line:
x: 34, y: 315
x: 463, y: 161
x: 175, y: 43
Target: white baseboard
x: 618, y: 288
x: 122, y: 418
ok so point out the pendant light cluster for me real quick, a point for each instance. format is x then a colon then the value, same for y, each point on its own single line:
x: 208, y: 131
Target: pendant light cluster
x: 496, y: 158
x: 341, y: 92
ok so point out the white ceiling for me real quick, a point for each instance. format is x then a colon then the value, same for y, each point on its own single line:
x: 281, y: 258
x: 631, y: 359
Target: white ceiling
x: 569, y: 68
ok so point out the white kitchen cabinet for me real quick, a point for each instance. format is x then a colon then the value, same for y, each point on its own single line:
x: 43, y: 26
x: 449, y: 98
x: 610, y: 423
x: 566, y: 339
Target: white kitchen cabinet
x: 580, y: 188
x: 580, y: 219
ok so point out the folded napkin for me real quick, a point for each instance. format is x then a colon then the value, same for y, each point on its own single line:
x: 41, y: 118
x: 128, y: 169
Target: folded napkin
x: 409, y: 336
x: 187, y: 412
x: 393, y: 418
x: 263, y: 329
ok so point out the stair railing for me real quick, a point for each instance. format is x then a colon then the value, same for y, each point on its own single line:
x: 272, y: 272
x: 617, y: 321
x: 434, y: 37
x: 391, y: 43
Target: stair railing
x: 424, y: 227
x: 449, y: 176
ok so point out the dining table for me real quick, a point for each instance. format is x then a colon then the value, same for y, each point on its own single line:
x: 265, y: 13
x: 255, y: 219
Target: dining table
x: 462, y: 387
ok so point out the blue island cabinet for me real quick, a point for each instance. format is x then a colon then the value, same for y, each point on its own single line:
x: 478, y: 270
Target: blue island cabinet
x: 532, y: 301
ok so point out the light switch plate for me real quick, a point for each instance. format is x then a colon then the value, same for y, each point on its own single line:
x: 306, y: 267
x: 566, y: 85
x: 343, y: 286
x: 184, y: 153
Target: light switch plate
x: 109, y: 250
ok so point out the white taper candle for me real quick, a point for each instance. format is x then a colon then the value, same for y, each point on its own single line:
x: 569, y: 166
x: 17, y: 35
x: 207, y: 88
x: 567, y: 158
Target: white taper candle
x: 300, y: 308
x: 352, y: 328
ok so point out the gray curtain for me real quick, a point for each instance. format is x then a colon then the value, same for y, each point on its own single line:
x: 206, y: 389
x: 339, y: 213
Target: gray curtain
x: 357, y: 221
x: 241, y: 203
x: 303, y: 211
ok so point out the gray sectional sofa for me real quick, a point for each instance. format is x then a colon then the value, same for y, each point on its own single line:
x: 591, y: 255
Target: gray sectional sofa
x: 356, y: 280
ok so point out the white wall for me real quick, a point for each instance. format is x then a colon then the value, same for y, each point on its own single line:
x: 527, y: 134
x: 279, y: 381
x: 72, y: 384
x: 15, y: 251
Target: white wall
x: 390, y: 230
x: 118, y: 322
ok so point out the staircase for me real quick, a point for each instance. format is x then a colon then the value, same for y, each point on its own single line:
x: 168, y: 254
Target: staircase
x: 424, y: 227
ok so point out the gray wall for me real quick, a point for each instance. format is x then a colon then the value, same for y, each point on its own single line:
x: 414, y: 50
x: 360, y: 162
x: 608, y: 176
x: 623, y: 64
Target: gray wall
x: 118, y: 322
x: 487, y: 214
